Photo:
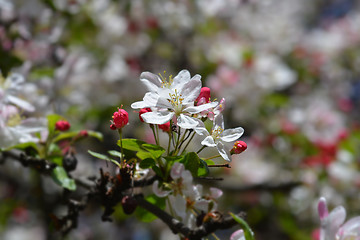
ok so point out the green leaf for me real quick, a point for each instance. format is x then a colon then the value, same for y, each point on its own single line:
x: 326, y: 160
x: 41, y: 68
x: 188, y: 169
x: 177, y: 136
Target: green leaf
x: 249, y: 235
x: 192, y: 163
x: 203, y: 169
x: 144, y: 155
x: 65, y: 135
x: 131, y: 144
x: 115, y: 153
x: 147, y: 163
x: 158, y: 171
x: 103, y: 157
x: 23, y: 146
x: 60, y: 177
x: 144, y: 215
x: 52, y: 119
x: 94, y: 134
x: 155, y: 150
x: 174, y: 158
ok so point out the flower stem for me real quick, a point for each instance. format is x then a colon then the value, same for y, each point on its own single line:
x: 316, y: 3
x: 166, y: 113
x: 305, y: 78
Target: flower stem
x: 153, y: 130
x: 216, y: 156
x: 187, y: 144
x: 202, y: 148
x: 121, y: 148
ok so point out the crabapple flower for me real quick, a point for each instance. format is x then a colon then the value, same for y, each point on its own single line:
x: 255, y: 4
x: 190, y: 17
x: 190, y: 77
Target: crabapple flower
x: 15, y: 130
x: 120, y: 119
x: 184, y: 196
x: 333, y: 226
x: 213, y: 112
x: 172, y: 98
x: 9, y: 87
x: 219, y: 136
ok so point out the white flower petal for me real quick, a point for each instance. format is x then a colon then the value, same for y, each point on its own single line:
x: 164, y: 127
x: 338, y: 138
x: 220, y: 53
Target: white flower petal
x: 219, y: 121
x: 238, y: 235
x: 191, y: 90
x: 200, y: 108
x: 186, y: 122
x: 179, y: 205
x: 150, y: 99
x: 20, y: 103
x: 163, y: 103
x: 180, y: 79
x: 151, y: 81
x: 159, y: 192
x: 202, y: 205
x: 215, y: 193
x: 350, y: 229
x: 176, y: 170
x: 201, y: 130
x: 333, y: 221
x: 31, y: 125
x: 157, y: 117
x: 225, y: 153
x: 232, y: 134
x: 187, y: 178
x: 209, y: 141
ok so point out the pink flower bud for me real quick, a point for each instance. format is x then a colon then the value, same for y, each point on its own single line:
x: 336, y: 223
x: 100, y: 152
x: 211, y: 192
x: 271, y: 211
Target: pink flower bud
x: 239, y: 147
x: 62, y: 125
x: 322, y: 208
x: 120, y: 118
x: 204, y: 96
x: 143, y: 110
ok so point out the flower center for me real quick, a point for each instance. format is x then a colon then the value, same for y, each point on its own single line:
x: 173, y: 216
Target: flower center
x: 14, y: 120
x: 164, y: 82
x: 216, y: 132
x: 176, y: 101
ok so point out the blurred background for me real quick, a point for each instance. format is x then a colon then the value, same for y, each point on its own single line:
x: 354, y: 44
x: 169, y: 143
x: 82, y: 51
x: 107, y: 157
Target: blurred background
x: 289, y: 71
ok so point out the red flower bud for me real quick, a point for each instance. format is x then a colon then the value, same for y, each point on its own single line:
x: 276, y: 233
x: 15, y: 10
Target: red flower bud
x: 143, y: 110
x: 120, y: 118
x: 204, y: 94
x: 165, y: 127
x: 83, y: 133
x: 112, y: 126
x: 62, y: 125
x: 239, y: 147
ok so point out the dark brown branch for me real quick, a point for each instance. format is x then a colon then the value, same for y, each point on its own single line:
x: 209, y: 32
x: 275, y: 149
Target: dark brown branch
x: 220, y: 165
x: 285, y: 186
x: 41, y: 165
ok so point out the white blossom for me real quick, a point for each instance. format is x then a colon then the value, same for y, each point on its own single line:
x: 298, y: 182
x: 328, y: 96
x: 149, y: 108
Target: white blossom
x: 219, y: 136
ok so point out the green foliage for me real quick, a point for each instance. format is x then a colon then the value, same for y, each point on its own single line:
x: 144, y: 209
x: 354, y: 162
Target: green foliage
x: 67, y: 135
x: 143, y: 150
x: 61, y: 178
x: 195, y: 165
x: 147, y: 163
x: 103, y: 157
